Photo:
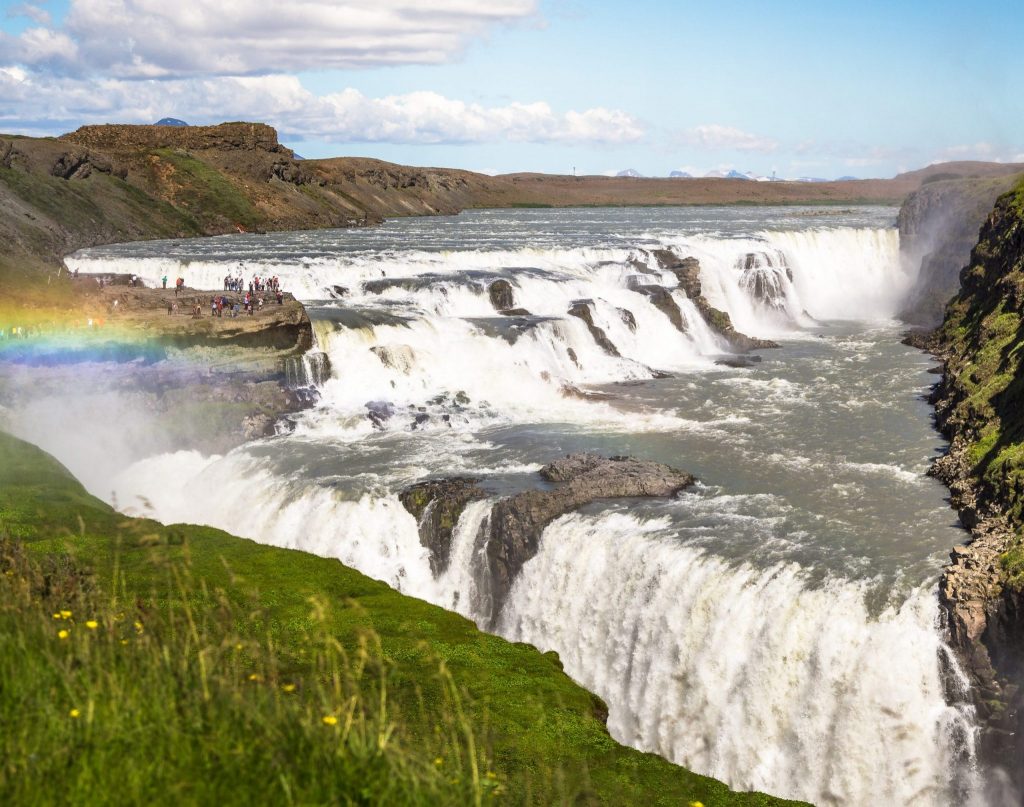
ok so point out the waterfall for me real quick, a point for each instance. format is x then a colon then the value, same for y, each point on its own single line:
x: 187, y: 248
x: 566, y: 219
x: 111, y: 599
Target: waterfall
x: 767, y: 674
x: 750, y: 675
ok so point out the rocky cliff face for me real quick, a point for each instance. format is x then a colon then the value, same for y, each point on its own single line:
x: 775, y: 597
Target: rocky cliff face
x: 223, y: 137
x: 939, y: 226
x: 980, y: 407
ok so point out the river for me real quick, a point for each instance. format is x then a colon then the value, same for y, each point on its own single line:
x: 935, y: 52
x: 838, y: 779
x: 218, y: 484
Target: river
x: 776, y: 626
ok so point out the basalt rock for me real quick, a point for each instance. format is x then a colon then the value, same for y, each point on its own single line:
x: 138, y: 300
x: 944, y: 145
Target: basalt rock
x: 687, y: 272
x: 437, y: 505
x: 502, y: 298
x: 581, y: 309
x: 511, y: 534
x: 661, y: 298
x: 516, y: 523
x: 78, y: 165
x: 979, y: 406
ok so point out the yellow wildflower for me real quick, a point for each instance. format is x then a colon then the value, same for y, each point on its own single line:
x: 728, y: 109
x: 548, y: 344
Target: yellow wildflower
x: 57, y: 615
x: 492, y: 775
x: 696, y: 804
x: 254, y: 677
x: 92, y: 624
x: 65, y: 615
x: 330, y: 720
x: 74, y: 713
x: 288, y: 687
x: 438, y: 761
x: 63, y: 634
x: 124, y: 641
x: 138, y: 625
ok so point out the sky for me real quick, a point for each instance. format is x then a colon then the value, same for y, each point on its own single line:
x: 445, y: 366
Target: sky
x: 822, y: 88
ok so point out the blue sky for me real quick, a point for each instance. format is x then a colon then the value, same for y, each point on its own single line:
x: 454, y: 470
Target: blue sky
x: 800, y: 88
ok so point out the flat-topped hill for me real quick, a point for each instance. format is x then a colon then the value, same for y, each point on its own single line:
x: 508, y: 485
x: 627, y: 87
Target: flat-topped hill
x: 224, y: 136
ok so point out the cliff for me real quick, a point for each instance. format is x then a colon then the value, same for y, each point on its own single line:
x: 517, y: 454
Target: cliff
x: 939, y: 225
x: 980, y: 407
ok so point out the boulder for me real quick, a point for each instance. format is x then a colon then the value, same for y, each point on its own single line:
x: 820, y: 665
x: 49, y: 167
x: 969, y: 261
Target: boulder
x: 502, y: 298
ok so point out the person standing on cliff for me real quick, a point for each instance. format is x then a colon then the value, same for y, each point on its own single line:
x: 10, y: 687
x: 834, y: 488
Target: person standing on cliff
x: 164, y: 281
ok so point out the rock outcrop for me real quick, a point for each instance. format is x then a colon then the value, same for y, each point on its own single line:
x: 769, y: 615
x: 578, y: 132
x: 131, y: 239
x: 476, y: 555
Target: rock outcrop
x: 501, y: 296
x: 511, y: 534
x: 979, y: 405
x: 437, y: 505
x: 582, y: 309
x: 687, y: 272
x: 939, y: 226
x: 223, y: 137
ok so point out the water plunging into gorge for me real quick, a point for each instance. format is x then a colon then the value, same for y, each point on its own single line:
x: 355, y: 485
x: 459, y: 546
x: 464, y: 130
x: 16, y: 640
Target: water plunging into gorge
x: 774, y: 626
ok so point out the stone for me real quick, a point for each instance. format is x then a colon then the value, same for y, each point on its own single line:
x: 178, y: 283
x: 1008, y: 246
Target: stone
x: 581, y: 309
x: 501, y: 296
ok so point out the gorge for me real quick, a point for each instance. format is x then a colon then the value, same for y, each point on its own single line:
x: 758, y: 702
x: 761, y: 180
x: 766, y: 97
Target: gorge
x: 773, y: 622
x: 812, y: 532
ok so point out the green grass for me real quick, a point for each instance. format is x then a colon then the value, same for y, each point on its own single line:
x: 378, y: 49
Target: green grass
x: 206, y: 193
x: 175, y: 705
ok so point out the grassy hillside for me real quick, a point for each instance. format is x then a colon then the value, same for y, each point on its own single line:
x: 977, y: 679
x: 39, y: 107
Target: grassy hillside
x: 196, y: 667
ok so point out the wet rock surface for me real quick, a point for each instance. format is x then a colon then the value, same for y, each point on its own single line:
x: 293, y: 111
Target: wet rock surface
x: 437, y: 504
x: 511, y: 534
x: 687, y: 272
x: 501, y: 296
x: 582, y: 309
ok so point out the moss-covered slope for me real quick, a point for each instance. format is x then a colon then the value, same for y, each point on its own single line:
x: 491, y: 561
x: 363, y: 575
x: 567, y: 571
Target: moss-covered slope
x: 982, y: 337
x: 980, y: 407
x: 545, y: 734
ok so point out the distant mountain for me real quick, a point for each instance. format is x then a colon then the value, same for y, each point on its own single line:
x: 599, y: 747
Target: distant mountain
x: 846, y: 179
x: 297, y: 156
x: 680, y: 175
x: 170, y: 122
x: 734, y: 174
x: 629, y: 172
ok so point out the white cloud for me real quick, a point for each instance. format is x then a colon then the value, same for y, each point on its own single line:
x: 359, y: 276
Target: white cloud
x: 715, y: 137
x: 38, y: 15
x: 987, y: 152
x: 281, y: 100
x: 155, y: 38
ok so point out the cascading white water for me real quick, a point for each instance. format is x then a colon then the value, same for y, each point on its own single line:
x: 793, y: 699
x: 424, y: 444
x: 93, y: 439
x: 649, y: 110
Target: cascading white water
x: 750, y: 671
x: 749, y: 675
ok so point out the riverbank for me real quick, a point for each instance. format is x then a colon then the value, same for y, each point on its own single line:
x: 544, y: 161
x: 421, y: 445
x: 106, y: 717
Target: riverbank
x: 980, y: 408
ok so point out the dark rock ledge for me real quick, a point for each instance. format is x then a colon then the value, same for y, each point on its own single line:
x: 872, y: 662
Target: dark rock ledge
x: 687, y: 272
x: 510, y: 536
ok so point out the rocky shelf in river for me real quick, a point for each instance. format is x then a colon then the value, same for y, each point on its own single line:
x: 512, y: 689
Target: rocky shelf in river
x: 511, y: 533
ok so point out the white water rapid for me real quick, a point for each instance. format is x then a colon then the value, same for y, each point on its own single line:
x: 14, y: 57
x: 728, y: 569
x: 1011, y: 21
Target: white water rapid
x: 776, y: 627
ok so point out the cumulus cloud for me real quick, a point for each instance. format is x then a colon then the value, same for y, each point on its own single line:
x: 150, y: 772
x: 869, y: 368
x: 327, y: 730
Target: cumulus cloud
x: 715, y: 137
x: 157, y: 39
x: 348, y: 116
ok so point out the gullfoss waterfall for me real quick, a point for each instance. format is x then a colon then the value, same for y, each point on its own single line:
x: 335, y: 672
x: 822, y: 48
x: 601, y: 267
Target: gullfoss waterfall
x: 774, y: 626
